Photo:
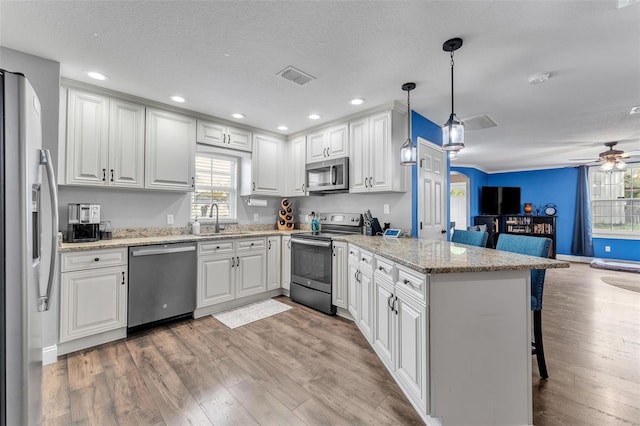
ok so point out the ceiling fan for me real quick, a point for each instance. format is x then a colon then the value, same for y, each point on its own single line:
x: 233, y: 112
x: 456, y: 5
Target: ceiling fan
x: 610, y: 159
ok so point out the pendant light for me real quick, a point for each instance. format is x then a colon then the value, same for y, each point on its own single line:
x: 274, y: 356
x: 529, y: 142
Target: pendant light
x: 408, y: 152
x: 453, y: 129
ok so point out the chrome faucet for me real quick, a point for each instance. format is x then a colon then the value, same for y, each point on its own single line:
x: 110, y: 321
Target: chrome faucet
x: 217, y: 229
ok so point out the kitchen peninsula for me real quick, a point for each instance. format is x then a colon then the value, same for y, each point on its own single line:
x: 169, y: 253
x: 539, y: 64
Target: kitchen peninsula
x: 451, y: 322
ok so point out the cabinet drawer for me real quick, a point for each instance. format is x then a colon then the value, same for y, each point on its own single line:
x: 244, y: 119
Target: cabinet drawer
x: 354, y: 254
x: 78, y: 261
x: 365, y: 259
x: 251, y: 244
x: 215, y: 247
x: 385, y: 269
x: 413, y: 283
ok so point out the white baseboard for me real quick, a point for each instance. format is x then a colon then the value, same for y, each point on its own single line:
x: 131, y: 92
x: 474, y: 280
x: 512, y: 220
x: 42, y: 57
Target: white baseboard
x: 577, y: 259
x: 49, y: 355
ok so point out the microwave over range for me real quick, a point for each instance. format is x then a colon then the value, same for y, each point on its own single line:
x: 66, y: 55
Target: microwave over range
x: 328, y: 176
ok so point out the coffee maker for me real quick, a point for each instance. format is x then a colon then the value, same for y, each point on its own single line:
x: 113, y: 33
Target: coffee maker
x: 83, y: 223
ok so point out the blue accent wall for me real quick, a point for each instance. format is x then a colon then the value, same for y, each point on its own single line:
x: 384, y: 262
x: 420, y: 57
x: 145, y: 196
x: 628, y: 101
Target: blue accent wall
x: 426, y: 129
x: 555, y: 186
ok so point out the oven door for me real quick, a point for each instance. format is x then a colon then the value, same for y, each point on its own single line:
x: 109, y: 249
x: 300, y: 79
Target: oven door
x: 311, y: 264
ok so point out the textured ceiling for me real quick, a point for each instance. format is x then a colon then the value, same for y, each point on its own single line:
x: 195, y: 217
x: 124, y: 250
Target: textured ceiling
x: 223, y: 56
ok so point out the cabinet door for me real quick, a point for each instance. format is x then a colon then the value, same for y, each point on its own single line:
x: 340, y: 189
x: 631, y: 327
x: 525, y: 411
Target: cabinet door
x: 338, y: 141
x: 286, y: 262
x: 274, y: 257
x: 359, y: 160
x: 366, y: 305
x: 211, y: 133
x: 251, y: 273
x: 316, y: 146
x: 385, y: 321
x: 411, y: 363
x: 339, y: 271
x: 126, y: 145
x: 170, y: 151
x: 380, y: 158
x: 216, y: 279
x: 92, y: 301
x: 295, y: 170
x: 87, y: 139
x: 266, y: 166
x: 354, y: 296
x: 239, y: 139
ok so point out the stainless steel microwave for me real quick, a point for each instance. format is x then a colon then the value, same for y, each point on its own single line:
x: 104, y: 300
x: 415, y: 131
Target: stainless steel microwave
x: 328, y: 176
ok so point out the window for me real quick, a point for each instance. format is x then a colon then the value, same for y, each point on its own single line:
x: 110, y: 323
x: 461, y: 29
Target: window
x: 216, y: 182
x: 615, y: 200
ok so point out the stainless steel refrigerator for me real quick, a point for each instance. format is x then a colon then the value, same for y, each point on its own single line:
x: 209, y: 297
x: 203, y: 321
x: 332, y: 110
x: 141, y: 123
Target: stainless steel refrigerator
x: 28, y: 249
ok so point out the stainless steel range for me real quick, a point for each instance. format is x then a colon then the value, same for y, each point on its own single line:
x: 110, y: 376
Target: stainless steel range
x: 311, y: 259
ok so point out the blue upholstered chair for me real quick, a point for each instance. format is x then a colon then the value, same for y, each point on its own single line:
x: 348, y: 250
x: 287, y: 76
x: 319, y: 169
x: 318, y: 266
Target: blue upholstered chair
x: 533, y: 246
x: 472, y: 238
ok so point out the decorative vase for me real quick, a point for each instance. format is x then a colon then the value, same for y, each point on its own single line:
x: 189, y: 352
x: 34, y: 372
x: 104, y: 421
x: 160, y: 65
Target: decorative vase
x: 528, y: 208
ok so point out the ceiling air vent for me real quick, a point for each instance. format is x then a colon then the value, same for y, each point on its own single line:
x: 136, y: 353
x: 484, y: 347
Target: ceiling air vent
x: 477, y: 122
x: 297, y: 76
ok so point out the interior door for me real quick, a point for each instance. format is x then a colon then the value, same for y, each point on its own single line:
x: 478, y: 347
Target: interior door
x: 432, y: 194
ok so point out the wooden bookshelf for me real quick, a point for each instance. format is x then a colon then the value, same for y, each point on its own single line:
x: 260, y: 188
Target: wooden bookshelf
x: 537, y: 226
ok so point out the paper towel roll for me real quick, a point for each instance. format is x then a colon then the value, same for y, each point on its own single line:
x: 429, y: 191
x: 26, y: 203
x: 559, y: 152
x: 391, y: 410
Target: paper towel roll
x: 256, y: 203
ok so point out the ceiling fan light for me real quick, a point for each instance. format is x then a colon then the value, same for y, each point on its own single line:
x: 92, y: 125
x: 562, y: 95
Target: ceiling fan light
x: 453, y: 134
x: 621, y: 165
x: 607, y: 166
x: 408, y: 153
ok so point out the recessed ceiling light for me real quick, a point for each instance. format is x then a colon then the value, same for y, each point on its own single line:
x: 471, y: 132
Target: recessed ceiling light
x: 635, y: 110
x: 539, y: 78
x: 97, y: 75
x: 356, y: 101
x: 176, y: 98
x: 314, y: 116
x: 237, y: 115
x: 283, y: 128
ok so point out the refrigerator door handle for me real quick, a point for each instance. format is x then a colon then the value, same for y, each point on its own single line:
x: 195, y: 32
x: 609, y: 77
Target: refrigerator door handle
x: 45, y: 160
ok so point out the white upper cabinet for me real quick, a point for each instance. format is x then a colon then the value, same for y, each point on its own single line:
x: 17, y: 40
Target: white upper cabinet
x: 126, y: 144
x: 105, y: 141
x: 332, y: 142
x: 266, y: 166
x: 295, y: 172
x: 215, y: 134
x: 87, y: 139
x: 374, y: 165
x: 170, y: 151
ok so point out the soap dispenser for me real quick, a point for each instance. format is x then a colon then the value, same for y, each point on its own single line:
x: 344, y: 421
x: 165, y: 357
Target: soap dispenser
x: 195, y: 227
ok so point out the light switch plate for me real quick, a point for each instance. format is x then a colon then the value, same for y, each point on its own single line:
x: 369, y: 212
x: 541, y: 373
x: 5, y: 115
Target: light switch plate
x: 256, y: 217
x: 386, y: 209
x: 169, y: 219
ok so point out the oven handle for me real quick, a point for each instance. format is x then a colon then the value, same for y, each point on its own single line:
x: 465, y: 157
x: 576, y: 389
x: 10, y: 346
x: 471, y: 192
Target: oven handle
x: 311, y: 243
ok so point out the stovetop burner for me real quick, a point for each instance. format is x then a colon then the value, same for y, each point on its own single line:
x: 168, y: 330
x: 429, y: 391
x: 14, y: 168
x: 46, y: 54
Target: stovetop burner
x: 333, y: 225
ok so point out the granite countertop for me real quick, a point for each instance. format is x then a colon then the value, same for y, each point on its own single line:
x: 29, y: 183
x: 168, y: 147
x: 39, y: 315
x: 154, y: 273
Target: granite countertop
x: 167, y: 239
x: 431, y: 256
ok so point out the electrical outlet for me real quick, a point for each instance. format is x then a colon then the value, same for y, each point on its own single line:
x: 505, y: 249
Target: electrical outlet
x: 386, y: 209
x: 256, y: 217
x: 607, y: 249
x: 169, y: 219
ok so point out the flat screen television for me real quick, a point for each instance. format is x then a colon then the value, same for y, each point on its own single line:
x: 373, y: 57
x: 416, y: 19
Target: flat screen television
x: 499, y: 200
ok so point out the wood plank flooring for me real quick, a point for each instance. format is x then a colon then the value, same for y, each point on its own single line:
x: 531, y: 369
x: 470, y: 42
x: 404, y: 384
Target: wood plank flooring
x: 301, y: 367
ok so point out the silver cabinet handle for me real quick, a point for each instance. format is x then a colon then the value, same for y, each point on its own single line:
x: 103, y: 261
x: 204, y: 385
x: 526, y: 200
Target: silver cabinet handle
x: 104, y: 175
x: 380, y: 268
x: 193, y: 182
x: 253, y: 186
x: 45, y: 160
x: 122, y: 277
x: 237, y: 260
x: 111, y: 175
x: 366, y: 185
x: 269, y: 243
x: 394, y: 305
x: 389, y: 301
x: 233, y: 262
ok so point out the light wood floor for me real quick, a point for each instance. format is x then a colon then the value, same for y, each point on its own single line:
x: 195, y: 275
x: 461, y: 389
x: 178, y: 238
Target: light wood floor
x: 303, y: 367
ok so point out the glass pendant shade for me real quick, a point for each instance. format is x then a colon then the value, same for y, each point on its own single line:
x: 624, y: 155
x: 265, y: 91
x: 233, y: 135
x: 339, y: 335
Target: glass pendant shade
x: 453, y: 134
x: 606, y: 166
x: 408, y: 153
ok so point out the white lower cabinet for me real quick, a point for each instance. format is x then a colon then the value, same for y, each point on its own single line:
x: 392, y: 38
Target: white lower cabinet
x: 286, y: 262
x: 93, y: 293
x: 353, y: 292
x: 230, y: 269
x: 274, y: 260
x: 390, y: 306
x: 339, y: 271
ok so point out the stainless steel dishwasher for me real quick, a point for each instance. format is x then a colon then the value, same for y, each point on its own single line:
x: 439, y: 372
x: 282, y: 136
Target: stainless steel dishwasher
x: 162, y: 282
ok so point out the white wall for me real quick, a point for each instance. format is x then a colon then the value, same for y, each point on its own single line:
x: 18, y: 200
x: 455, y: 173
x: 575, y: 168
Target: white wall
x: 44, y: 76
